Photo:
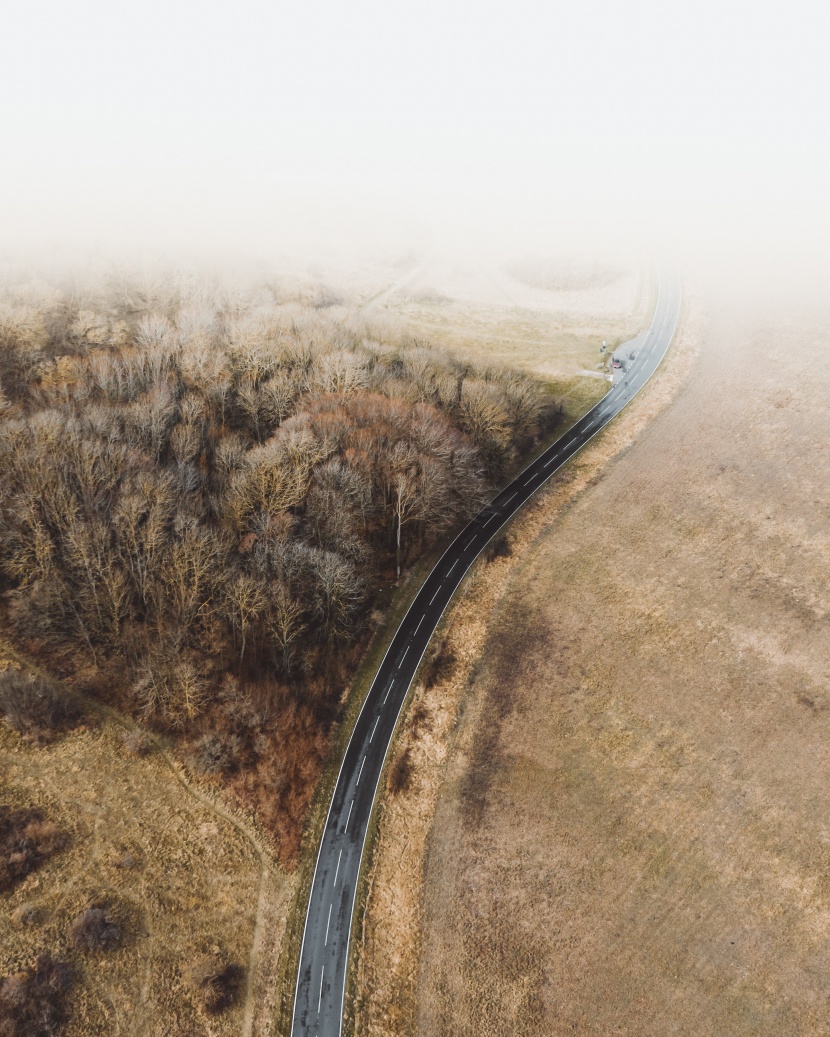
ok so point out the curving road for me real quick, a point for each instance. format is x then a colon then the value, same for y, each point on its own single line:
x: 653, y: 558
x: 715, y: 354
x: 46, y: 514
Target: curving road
x: 321, y: 979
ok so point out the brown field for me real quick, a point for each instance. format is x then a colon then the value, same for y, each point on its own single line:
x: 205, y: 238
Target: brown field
x: 180, y: 876
x: 630, y: 804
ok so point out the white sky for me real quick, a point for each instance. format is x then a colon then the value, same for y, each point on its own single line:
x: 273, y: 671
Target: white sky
x: 252, y: 125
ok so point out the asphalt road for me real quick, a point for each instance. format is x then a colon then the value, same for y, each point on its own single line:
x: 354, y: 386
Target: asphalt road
x: 321, y: 979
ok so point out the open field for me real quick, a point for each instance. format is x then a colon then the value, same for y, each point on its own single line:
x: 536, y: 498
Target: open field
x: 493, y: 316
x: 538, y: 316
x: 632, y: 834
x: 179, y: 876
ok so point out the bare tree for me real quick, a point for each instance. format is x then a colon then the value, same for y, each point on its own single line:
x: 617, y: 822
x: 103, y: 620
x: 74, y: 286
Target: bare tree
x: 244, y: 602
x: 285, y: 622
x: 406, y: 503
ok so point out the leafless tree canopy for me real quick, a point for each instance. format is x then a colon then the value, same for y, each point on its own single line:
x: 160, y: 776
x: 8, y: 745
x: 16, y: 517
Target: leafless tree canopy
x: 201, y: 482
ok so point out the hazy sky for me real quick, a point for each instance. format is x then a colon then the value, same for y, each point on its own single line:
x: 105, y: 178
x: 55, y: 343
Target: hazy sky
x: 258, y: 125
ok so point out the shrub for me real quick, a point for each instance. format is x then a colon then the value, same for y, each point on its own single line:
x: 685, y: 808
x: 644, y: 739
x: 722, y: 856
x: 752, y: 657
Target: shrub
x: 216, y: 754
x: 498, y: 548
x: 215, y: 982
x: 26, y: 840
x: 440, y: 668
x: 34, y: 705
x: 94, y: 930
x: 136, y: 742
x: 418, y: 721
x: 33, y: 1001
x: 400, y: 774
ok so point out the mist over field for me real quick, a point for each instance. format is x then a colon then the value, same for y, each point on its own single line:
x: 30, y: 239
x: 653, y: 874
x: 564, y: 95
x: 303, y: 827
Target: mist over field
x: 249, y: 131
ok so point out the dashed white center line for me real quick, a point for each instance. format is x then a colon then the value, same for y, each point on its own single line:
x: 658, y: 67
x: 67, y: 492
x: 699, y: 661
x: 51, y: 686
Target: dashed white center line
x: 328, y: 923
x: 467, y: 545
x: 372, y: 735
x: 337, y: 869
x: 400, y: 664
x: 348, y: 817
x: 320, y: 998
x: 385, y: 697
x: 435, y: 595
x: 454, y: 564
x: 490, y: 519
x: 510, y: 498
x: 418, y: 627
x: 548, y: 463
x: 530, y: 480
x: 363, y: 763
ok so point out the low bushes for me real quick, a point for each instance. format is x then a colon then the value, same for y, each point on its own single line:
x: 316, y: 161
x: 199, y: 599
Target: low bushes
x: 33, y: 1001
x: 26, y: 840
x: 400, y: 773
x: 35, y: 706
x: 214, y: 982
x: 94, y: 930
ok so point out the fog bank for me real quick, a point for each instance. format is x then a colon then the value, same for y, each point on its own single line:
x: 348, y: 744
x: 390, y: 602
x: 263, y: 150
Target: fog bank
x: 250, y: 131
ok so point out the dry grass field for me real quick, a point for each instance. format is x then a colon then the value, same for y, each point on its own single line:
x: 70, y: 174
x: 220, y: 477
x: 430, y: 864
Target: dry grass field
x: 179, y: 876
x: 633, y: 838
x: 629, y: 806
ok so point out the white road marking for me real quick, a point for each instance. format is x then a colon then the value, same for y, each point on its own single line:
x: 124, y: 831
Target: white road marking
x: 530, y: 480
x: 548, y: 463
x: 385, y: 697
x: 320, y: 998
x: 435, y: 595
x: 490, y: 519
x: 348, y: 817
x: 328, y: 923
x: 510, y: 498
x: 337, y: 869
x: 400, y: 664
x: 372, y: 735
x: 467, y: 545
x: 454, y: 564
x: 418, y: 627
x: 363, y: 763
